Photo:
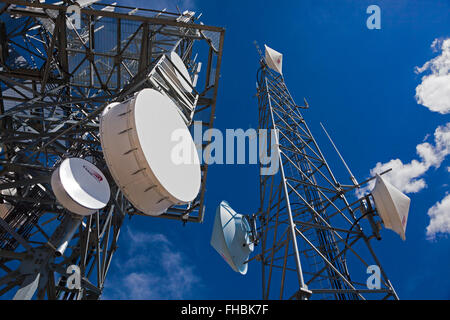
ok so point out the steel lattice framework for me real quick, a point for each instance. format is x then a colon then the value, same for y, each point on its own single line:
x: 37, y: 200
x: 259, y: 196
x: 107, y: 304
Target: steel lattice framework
x: 312, y: 240
x: 55, y: 81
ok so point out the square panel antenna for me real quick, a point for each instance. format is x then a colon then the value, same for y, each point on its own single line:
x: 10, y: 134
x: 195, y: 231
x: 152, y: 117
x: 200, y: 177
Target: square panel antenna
x: 274, y: 59
x: 392, y: 206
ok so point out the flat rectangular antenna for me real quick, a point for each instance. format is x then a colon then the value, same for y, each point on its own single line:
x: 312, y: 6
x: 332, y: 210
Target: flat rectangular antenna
x: 352, y: 177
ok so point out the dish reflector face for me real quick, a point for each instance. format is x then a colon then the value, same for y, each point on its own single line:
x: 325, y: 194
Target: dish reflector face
x: 230, y: 237
x: 392, y: 206
x: 150, y: 152
x: 80, y: 186
x: 274, y: 59
x: 181, y: 72
x: 5, y: 210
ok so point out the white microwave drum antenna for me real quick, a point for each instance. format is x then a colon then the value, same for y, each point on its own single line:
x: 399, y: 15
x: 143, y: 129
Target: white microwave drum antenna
x: 80, y: 187
x: 231, y: 237
x: 142, y: 140
x: 392, y: 206
x: 180, y: 73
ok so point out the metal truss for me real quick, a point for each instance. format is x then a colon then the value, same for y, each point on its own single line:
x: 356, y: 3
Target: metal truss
x: 312, y: 239
x: 55, y: 81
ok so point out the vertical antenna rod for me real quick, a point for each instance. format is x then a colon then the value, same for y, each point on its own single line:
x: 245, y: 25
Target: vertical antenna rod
x: 352, y: 177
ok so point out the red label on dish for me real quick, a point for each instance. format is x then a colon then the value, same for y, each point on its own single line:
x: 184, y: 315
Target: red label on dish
x: 96, y: 175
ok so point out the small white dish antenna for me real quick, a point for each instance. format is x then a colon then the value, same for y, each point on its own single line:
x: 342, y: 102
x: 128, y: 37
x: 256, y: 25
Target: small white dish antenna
x: 274, y: 59
x: 392, y: 205
x: 141, y: 140
x: 231, y: 237
x: 5, y: 207
x: 5, y: 210
x: 85, y: 3
x: 177, y: 75
x: 80, y: 187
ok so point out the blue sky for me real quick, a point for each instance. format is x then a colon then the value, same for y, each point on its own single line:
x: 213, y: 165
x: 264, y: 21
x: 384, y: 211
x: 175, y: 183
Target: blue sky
x: 362, y: 85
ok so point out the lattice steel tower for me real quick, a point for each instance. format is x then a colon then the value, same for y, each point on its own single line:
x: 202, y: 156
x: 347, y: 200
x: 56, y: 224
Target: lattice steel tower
x: 312, y: 242
x: 56, y: 79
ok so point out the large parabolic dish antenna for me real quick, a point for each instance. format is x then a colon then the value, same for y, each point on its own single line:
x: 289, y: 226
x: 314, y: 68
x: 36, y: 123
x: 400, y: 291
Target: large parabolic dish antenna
x: 142, y: 139
x: 182, y: 74
x: 80, y: 186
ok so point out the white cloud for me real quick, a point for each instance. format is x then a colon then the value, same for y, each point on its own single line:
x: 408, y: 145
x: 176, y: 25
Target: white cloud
x: 141, y: 239
x: 403, y: 176
x: 153, y: 269
x: 138, y: 286
x: 407, y: 177
x: 439, y: 218
x: 434, y: 155
x: 434, y: 91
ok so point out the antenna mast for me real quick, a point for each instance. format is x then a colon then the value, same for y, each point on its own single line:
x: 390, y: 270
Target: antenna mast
x: 312, y: 242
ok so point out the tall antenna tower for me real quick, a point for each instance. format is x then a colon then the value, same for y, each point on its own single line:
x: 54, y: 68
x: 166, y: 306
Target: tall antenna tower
x: 57, y: 79
x: 312, y: 241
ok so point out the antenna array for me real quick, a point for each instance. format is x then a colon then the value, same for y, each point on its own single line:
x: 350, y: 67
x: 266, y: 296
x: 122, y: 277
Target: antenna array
x: 56, y: 82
